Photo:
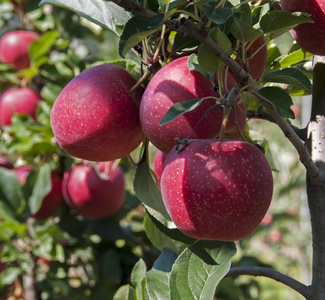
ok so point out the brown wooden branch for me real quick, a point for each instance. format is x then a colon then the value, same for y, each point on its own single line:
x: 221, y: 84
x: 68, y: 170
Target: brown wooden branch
x: 273, y: 274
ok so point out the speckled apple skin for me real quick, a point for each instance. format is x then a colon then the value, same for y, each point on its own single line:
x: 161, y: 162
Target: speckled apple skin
x: 95, y: 118
x: 20, y: 101
x: 217, y: 190
x: 172, y: 84
x: 91, y: 196
x: 14, y: 48
x: 158, y: 162
x: 310, y: 36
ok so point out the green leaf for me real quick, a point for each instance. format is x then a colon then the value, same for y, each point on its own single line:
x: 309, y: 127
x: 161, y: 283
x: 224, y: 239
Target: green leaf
x: 137, y: 278
x: 198, y: 270
x: 277, y: 22
x: 280, y: 99
x: 136, y: 29
x: 10, y: 190
x: 125, y: 292
x: 290, y: 76
x: 159, y: 239
x: 208, y: 61
x: 148, y: 193
x: 102, y: 13
x: 157, y: 279
x: 42, y: 46
x: 9, y: 275
x: 218, y: 16
x: 244, y: 32
x: 179, y: 109
x: 294, y: 58
x: 39, y: 182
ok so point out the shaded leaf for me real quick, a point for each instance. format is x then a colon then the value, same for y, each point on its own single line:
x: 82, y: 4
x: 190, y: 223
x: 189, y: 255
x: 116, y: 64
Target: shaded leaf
x: 280, y: 99
x: 244, y: 32
x: 218, y: 16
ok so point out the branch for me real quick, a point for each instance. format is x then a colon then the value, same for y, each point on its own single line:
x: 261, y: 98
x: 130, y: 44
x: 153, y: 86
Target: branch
x: 273, y: 274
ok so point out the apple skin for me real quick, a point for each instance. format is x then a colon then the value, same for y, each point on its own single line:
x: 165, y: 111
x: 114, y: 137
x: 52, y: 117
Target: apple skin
x: 217, y: 190
x: 52, y: 201
x: 310, y: 36
x: 14, y: 48
x: 257, y: 63
x: 18, y: 100
x: 95, y: 118
x: 172, y: 84
x: 91, y: 196
x: 158, y: 162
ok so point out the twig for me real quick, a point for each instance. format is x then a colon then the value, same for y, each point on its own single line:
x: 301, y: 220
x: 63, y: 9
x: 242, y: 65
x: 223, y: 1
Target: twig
x: 273, y: 274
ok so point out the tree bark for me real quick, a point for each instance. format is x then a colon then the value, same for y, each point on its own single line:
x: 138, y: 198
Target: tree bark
x: 316, y: 193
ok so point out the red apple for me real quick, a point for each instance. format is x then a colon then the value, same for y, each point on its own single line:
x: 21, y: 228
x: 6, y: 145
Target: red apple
x: 256, y: 60
x: 14, y: 48
x: 158, y: 162
x: 275, y: 235
x: 310, y: 36
x: 51, y: 201
x: 217, y: 190
x: 18, y: 100
x: 172, y: 84
x: 91, y: 196
x: 95, y: 117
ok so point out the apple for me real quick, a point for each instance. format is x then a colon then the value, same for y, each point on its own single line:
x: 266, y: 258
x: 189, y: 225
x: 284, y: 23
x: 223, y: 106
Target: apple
x: 256, y: 63
x: 20, y: 101
x: 310, y: 36
x: 275, y: 235
x: 90, y: 195
x: 172, y: 84
x: 158, y: 162
x: 14, y: 47
x: 95, y: 117
x: 217, y: 190
x: 51, y: 201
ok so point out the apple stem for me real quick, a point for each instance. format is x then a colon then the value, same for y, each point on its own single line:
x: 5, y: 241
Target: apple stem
x: 142, y: 80
x: 226, y: 112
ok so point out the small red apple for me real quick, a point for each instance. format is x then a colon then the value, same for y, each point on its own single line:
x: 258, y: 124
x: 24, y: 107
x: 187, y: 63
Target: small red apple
x: 52, y: 200
x: 310, y: 36
x: 267, y: 220
x: 14, y: 48
x: 275, y: 235
x: 217, y: 190
x: 91, y: 196
x: 172, y: 84
x: 257, y: 62
x: 158, y: 162
x: 18, y: 100
x: 95, y: 117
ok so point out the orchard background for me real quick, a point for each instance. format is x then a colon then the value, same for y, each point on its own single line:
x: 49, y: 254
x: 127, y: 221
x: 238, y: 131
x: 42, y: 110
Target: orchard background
x: 133, y: 254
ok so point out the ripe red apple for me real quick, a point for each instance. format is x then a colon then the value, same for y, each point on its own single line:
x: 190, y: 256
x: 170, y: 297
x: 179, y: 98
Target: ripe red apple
x: 172, y: 84
x: 256, y: 62
x: 217, y: 190
x: 310, y: 36
x: 14, y: 48
x: 95, y: 117
x: 275, y: 235
x: 158, y: 162
x: 92, y: 196
x: 18, y: 100
x: 51, y: 201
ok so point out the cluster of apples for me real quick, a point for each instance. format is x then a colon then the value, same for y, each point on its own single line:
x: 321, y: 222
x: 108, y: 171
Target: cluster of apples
x: 83, y: 188
x: 212, y: 189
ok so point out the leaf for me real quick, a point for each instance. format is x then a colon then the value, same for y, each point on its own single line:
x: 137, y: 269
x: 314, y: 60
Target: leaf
x: 39, y: 182
x: 277, y: 22
x: 159, y: 239
x: 41, y: 46
x: 157, y: 279
x: 10, y: 190
x: 125, y: 292
x: 102, y: 13
x: 280, y: 99
x: 244, y: 32
x: 9, y: 275
x: 218, y: 16
x: 295, y: 57
x: 148, y: 193
x: 198, y: 270
x: 290, y: 76
x: 179, y: 109
x: 137, y: 278
x: 136, y: 29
